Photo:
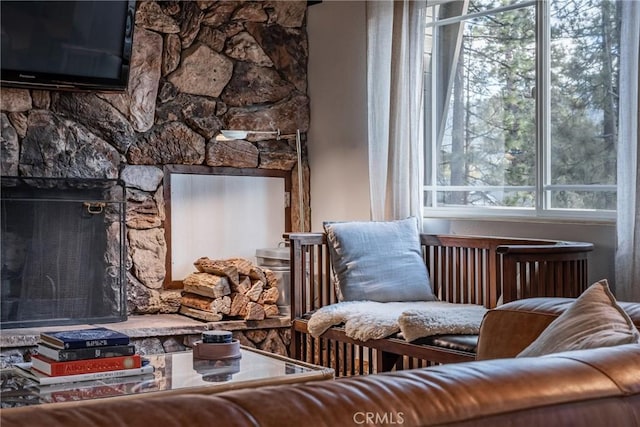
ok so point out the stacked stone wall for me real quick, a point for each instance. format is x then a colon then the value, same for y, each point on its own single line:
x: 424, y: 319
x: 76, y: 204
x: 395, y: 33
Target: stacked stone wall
x: 197, y: 67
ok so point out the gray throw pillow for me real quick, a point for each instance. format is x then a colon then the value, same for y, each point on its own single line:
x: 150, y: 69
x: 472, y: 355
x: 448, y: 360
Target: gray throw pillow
x: 378, y: 261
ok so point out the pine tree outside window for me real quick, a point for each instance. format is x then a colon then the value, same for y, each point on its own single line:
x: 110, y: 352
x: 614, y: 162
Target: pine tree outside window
x: 521, y: 108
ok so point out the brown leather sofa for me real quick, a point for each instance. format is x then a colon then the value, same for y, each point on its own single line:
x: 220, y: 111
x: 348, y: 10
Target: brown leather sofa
x: 507, y: 330
x: 598, y: 387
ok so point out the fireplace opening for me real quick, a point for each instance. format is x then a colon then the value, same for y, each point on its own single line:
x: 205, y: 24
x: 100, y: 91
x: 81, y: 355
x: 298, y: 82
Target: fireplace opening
x: 62, y: 251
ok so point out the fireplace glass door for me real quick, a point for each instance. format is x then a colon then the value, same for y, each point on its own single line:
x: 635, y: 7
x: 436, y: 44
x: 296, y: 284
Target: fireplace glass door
x: 62, y: 249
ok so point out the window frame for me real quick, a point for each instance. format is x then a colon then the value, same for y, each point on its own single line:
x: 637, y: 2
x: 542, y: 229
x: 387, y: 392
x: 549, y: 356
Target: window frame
x: 543, y: 187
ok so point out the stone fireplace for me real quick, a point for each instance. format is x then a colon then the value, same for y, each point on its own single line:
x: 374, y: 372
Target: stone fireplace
x: 197, y: 67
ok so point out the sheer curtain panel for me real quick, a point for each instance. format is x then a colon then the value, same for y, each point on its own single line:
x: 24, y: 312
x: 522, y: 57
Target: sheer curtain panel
x: 395, y: 40
x: 628, y: 222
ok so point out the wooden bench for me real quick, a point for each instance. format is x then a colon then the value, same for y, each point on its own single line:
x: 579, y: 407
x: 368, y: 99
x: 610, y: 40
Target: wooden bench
x: 462, y: 269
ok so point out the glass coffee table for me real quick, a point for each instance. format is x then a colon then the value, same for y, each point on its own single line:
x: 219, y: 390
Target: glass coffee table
x: 173, y: 373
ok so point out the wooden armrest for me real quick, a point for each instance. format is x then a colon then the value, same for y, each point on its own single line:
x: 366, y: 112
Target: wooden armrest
x: 556, y: 248
x: 306, y: 238
x: 558, y: 269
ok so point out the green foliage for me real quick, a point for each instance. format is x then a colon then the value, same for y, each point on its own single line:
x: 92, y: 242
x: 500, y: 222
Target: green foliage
x: 496, y: 91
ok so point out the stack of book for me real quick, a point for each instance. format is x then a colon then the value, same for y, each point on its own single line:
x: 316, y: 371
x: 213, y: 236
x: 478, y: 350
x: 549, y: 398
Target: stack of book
x: 85, y: 354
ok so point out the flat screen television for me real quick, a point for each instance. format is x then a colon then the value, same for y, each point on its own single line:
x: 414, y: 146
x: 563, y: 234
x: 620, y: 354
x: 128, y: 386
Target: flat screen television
x: 76, y: 45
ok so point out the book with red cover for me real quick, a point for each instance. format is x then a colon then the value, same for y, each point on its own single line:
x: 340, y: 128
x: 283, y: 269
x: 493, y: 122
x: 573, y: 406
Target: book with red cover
x: 86, y: 393
x: 54, y: 368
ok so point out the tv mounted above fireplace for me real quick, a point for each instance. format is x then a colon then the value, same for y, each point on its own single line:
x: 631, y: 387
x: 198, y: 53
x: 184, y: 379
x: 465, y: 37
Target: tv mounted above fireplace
x: 75, y: 45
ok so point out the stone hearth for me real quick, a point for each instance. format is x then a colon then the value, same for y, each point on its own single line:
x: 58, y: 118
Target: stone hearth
x: 160, y: 333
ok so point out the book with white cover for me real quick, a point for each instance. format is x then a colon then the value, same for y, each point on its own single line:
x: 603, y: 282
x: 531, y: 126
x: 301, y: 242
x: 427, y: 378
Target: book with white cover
x: 145, y: 379
x: 25, y: 369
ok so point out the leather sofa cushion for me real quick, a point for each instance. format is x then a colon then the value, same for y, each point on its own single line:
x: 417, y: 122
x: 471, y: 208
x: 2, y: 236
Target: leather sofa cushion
x: 593, y: 320
x: 555, y: 306
x: 508, y: 329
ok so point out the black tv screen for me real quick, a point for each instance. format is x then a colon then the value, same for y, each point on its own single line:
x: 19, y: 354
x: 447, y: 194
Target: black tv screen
x: 67, y: 44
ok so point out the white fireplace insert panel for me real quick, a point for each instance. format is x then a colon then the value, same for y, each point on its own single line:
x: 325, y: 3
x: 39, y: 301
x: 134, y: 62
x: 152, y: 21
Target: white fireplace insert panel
x: 223, y: 216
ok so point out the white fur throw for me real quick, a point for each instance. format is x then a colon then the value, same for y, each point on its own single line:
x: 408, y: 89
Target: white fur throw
x: 365, y: 320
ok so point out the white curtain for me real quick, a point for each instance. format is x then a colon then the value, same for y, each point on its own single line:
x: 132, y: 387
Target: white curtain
x: 395, y: 40
x: 628, y: 223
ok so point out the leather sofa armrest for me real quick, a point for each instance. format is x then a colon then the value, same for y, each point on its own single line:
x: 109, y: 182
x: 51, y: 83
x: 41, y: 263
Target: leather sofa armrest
x: 510, y: 328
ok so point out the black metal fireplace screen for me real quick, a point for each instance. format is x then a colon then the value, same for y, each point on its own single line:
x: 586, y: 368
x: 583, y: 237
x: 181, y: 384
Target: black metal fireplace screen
x: 63, y: 251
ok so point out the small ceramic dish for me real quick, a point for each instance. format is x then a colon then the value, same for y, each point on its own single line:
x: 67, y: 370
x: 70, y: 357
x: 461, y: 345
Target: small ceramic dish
x: 217, y: 351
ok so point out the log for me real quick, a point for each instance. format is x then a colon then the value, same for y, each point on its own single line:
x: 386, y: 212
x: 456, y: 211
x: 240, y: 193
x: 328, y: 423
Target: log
x: 271, y: 310
x: 198, y: 301
x: 207, y: 285
x: 239, y: 304
x: 244, y: 285
x: 197, y: 264
x: 223, y: 305
x: 199, y: 314
x: 269, y: 296
x: 272, y: 278
x: 255, y: 291
x: 254, y: 312
x: 243, y: 265
x: 256, y: 273
x: 223, y: 268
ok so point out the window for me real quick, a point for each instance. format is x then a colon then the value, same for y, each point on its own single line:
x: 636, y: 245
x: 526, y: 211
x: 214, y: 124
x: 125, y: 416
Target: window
x: 522, y: 107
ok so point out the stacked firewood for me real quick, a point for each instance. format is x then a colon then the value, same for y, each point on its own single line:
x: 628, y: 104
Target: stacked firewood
x: 234, y: 288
